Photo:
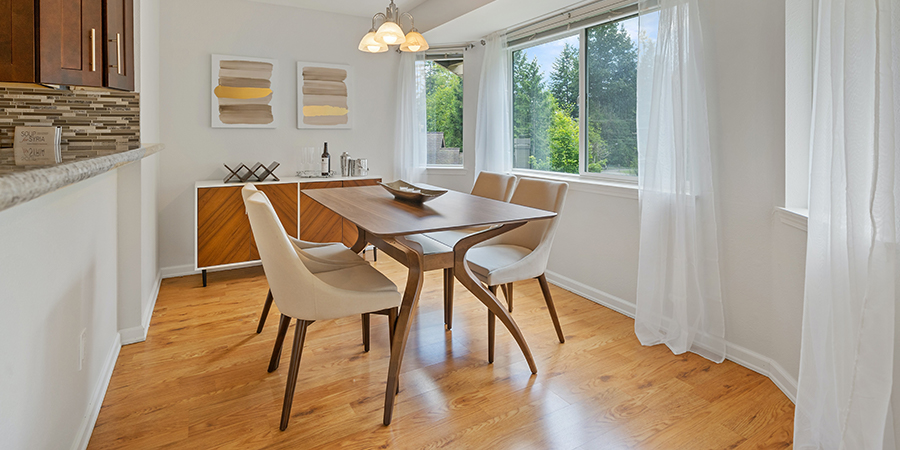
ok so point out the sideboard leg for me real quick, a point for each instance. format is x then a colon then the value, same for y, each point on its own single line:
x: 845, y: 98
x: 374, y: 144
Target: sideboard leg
x: 204, y: 277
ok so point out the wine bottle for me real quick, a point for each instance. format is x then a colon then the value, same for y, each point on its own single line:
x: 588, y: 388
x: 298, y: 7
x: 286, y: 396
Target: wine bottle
x: 326, y: 162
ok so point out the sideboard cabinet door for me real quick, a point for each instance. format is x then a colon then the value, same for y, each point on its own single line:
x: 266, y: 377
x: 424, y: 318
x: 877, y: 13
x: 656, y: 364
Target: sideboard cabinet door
x: 318, y: 223
x: 223, y: 230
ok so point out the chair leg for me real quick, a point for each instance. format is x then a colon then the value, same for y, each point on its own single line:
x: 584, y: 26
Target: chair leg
x: 448, y: 297
x: 265, y: 313
x: 508, y: 293
x: 491, y: 329
x: 392, y: 324
x: 296, y: 352
x: 545, y: 288
x: 366, y: 320
x: 279, y: 342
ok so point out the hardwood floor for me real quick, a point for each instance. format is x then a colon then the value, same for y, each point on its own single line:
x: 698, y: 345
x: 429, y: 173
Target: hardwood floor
x: 200, y: 380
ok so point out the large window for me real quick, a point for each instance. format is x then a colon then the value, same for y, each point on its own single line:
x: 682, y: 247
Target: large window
x: 444, y: 105
x: 547, y: 125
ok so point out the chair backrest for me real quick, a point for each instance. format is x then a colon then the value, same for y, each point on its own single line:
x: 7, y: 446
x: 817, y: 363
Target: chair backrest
x: 496, y: 186
x: 293, y: 285
x: 540, y: 194
x: 248, y: 190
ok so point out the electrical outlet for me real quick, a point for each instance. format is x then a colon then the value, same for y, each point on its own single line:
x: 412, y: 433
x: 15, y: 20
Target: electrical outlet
x: 81, y: 349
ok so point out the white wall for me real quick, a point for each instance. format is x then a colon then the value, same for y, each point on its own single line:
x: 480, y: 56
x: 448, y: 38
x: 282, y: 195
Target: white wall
x: 191, y: 32
x: 58, y: 276
x: 146, y: 42
x: 762, y: 259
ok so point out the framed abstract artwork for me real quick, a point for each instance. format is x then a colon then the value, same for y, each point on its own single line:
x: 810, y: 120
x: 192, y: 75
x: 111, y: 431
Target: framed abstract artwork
x: 324, y: 95
x: 244, y: 92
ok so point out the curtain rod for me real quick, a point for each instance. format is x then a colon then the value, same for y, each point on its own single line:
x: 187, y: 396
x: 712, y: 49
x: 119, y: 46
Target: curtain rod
x: 574, y: 17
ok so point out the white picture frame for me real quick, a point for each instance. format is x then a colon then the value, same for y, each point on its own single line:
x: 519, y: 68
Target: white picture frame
x: 319, y: 99
x: 239, y: 103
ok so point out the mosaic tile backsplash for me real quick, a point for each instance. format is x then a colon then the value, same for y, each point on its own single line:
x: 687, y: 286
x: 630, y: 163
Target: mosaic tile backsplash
x: 94, y: 123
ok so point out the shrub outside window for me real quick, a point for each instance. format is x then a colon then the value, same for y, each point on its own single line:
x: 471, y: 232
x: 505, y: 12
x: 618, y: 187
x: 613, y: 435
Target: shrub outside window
x: 549, y: 132
x: 444, y: 111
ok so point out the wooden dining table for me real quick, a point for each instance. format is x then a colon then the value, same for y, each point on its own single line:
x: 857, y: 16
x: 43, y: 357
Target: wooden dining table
x: 387, y: 222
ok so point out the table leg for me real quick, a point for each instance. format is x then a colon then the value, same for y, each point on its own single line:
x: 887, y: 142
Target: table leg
x: 415, y: 256
x: 467, y: 278
x: 361, y: 241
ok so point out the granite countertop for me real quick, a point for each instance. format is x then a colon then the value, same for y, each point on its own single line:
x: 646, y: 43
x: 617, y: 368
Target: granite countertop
x: 19, y: 184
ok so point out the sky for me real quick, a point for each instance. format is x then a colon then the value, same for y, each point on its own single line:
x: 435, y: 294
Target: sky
x: 547, y: 53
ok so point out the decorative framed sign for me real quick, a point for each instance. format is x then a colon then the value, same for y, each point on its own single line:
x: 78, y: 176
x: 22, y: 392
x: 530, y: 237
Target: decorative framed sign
x: 244, y: 92
x: 324, y: 95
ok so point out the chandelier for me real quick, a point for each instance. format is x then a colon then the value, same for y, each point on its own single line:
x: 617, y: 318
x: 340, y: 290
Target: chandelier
x: 390, y: 33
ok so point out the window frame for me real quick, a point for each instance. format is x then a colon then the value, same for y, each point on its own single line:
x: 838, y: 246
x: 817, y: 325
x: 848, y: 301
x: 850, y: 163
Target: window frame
x: 583, y: 174
x: 449, y: 169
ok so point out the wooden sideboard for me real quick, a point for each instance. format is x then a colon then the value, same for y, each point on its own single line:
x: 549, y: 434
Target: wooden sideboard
x: 223, y: 237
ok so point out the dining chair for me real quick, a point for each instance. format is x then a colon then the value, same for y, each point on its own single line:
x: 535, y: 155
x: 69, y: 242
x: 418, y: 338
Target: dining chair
x: 329, y: 255
x: 495, y: 186
x: 490, y: 185
x: 306, y: 296
x: 522, y: 253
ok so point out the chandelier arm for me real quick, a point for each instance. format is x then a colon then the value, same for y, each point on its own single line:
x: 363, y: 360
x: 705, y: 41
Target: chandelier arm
x: 383, y: 19
x: 412, y: 24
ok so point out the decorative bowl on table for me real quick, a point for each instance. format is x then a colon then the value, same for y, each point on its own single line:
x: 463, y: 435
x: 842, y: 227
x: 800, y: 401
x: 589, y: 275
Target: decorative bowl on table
x: 412, y: 193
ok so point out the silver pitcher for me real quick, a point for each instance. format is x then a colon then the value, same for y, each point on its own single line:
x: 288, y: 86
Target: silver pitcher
x: 345, y: 164
x: 359, y: 167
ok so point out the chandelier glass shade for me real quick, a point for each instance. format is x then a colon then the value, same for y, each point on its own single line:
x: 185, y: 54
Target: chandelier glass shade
x: 390, y: 33
x: 370, y: 45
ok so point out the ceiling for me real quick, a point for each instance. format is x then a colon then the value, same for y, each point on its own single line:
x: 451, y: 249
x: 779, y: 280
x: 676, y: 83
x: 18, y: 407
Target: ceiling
x: 447, y: 21
x: 359, y: 8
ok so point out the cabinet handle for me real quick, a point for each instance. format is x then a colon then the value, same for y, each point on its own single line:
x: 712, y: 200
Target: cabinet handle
x: 93, y: 49
x: 118, y: 65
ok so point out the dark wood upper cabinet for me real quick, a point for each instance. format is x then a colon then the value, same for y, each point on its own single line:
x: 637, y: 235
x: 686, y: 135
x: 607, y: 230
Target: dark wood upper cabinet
x: 71, y: 40
x: 119, y: 16
x: 68, y: 42
x: 17, y: 46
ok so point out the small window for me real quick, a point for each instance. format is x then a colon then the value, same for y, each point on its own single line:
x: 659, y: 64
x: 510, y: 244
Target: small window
x: 444, y: 111
x: 545, y: 106
x: 553, y: 80
x: 611, y: 60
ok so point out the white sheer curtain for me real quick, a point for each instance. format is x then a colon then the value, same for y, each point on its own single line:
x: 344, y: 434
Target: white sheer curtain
x: 847, y: 364
x: 493, y: 126
x: 679, y: 300
x: 410, y: 149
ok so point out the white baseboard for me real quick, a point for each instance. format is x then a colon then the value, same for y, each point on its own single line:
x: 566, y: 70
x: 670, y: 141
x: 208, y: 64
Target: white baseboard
x: 96, y: 401
x: 139, y: 334
x: 756, y: 362
x: 133, y: 335
x: 177, y: 271
x: 764, y: 365
x: 593, y: 294
x: 188, y: 269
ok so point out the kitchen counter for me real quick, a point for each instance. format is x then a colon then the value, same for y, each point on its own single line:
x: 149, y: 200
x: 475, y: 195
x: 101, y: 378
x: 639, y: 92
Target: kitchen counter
x: 19, y: 184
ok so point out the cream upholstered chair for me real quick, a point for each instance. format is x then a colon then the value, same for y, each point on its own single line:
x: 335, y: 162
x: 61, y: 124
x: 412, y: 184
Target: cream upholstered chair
x: 522, y: 253
x: 495, y: 186
x: 490, y: 185
x: 306, y: 296
x: 329, y: 255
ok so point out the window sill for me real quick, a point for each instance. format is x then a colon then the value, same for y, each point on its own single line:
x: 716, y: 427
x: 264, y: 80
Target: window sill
x: 795, y: 217
x: 583, y: 184
x: 446, y: 170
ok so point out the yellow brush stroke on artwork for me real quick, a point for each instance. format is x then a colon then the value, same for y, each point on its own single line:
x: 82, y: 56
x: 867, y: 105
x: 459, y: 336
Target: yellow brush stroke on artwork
x: 238, y: 92
x: 323, y: 110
